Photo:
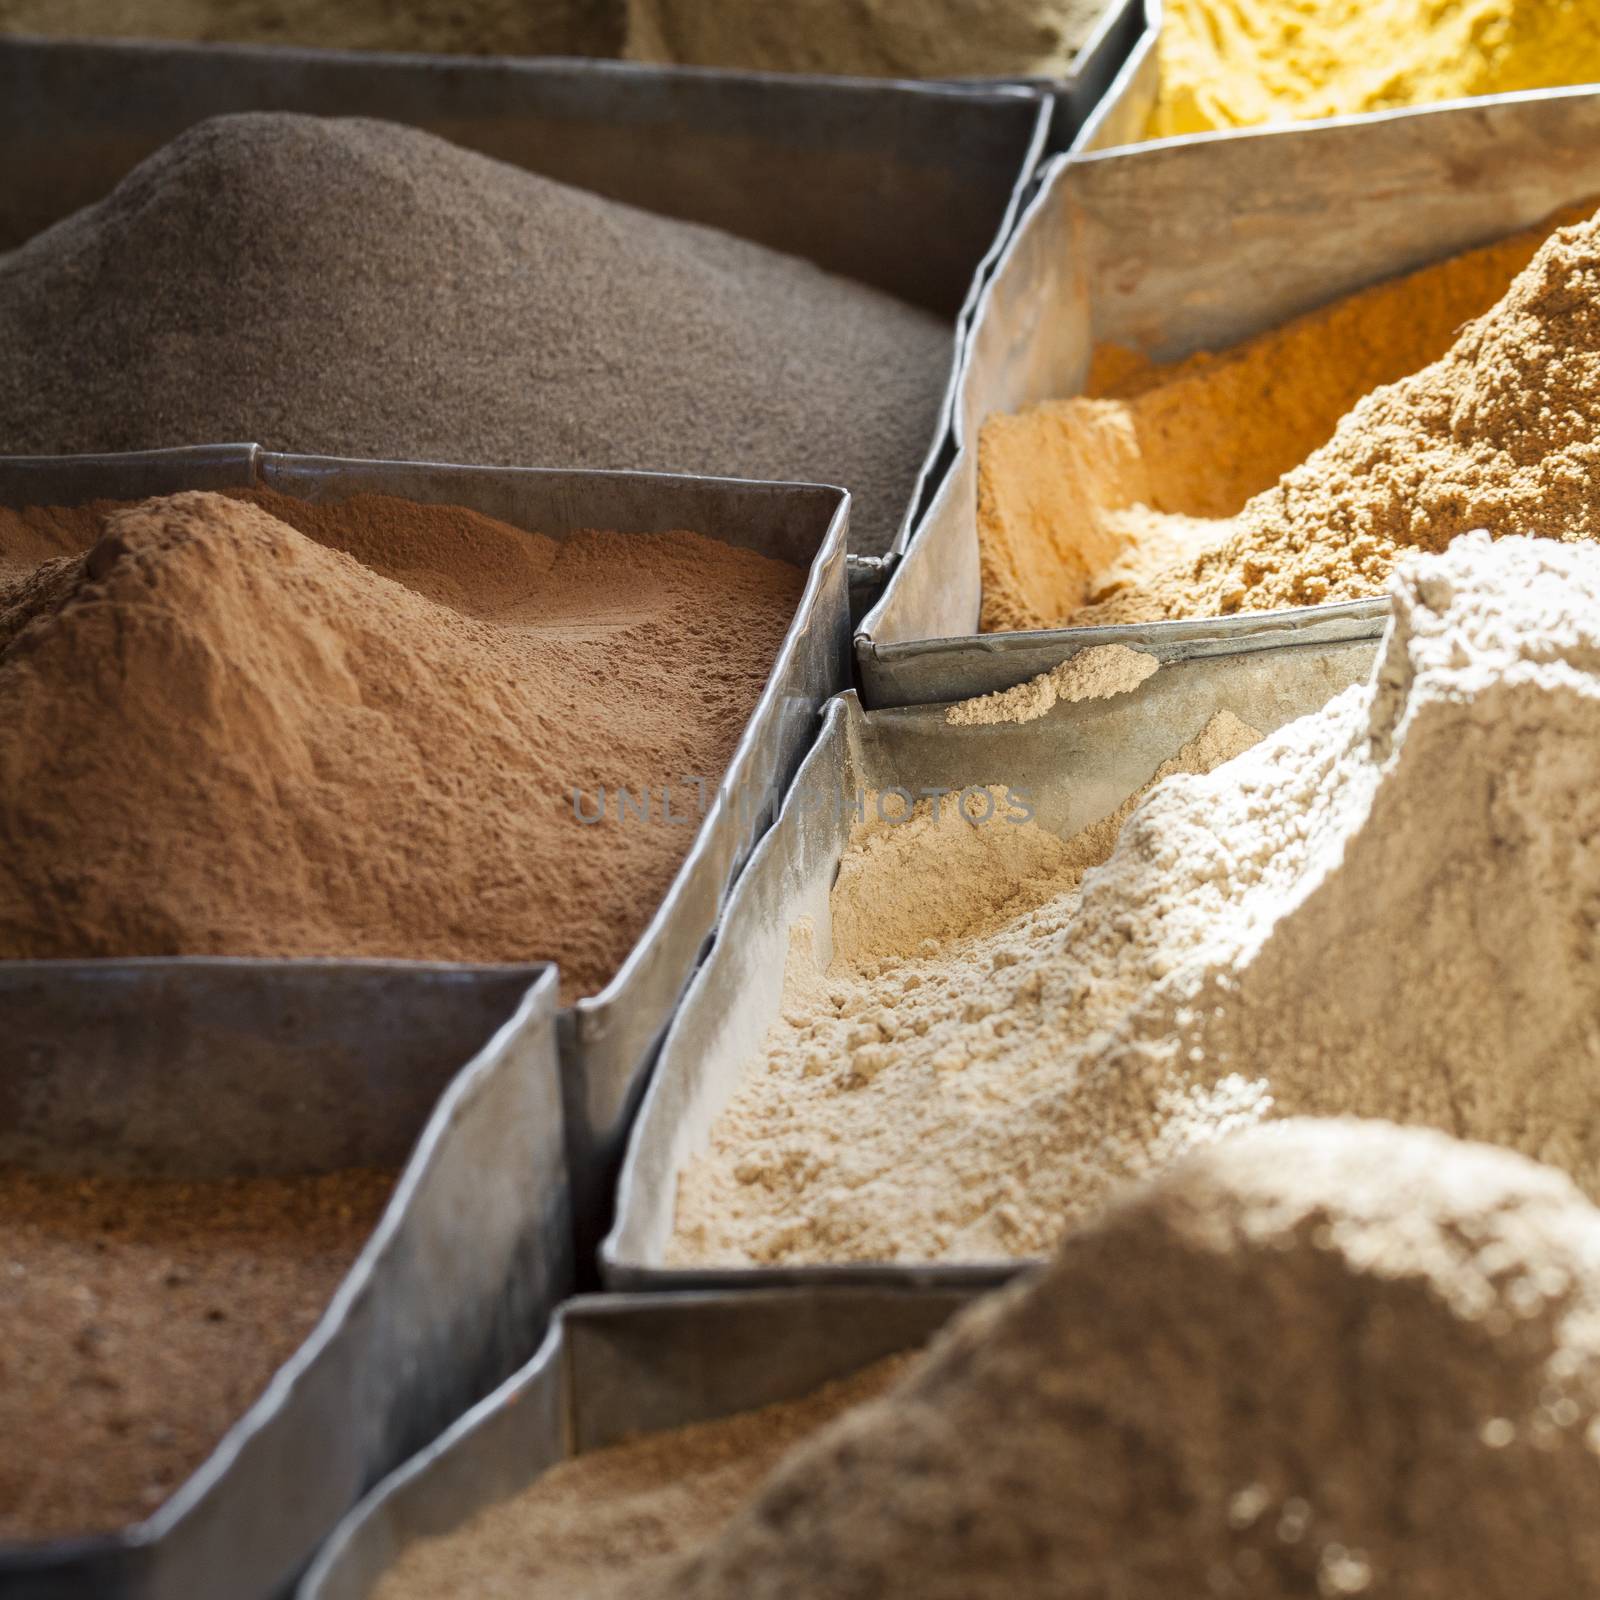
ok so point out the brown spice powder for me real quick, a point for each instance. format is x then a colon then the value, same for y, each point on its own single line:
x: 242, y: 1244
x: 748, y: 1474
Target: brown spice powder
x: 603, y: 1523
x: 139, y: 1319
x: 359, y: 288
x: 220, y: 735
x: 1085, y: 503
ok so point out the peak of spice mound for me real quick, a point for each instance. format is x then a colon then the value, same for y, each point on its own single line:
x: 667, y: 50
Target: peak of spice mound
x: 141, y: 1318
x: 931, y: 39
x: 1324, y: 1359
x: 1105, y: 508
x: 1385, y: 909
x: 364, y: 289
x: 1231, y: 63
x: 221, y: 735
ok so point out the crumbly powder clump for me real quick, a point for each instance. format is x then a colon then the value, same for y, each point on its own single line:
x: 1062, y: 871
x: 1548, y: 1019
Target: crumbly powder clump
x: 1098, y: 673
x: 1326, y: 1360
x: 1095, y: 509
x: 600, y: 1525
x: 223, y: 735
x: 357, y: 288
x: 857, y: 1141
x: 1385, y: 909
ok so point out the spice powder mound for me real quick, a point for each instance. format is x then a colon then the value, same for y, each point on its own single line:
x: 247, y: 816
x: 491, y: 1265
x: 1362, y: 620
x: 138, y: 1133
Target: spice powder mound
x: 247, y: 726
x: 1384, y: 909
x: 1324, y: 1360
x: 1110, y: 508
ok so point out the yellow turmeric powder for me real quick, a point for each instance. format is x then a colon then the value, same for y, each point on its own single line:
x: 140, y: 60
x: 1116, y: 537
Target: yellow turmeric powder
x: 1232, y: 63
x: 1080, y: 497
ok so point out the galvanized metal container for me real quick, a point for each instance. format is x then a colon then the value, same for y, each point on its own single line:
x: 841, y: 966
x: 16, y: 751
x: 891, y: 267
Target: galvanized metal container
x: 1134, y: 246
x: 616, y: 1366
x: 912, y: 188
x: 1075, y: 765
x: 206, y: 1068
x: 607, y: 1039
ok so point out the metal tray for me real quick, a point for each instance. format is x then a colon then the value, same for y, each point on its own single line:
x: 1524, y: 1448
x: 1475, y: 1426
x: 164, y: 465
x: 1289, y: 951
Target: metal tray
x: 1076, y: 765
x: 607, y: 1039
x: 203, y: 1068
x: 912, y: 188
x: 615, y: 1366
x: 1126, y: 245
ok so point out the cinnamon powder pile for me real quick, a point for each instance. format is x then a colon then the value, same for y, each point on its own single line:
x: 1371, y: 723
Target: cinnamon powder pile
x: 247, y: 726
x: 139, y: 1319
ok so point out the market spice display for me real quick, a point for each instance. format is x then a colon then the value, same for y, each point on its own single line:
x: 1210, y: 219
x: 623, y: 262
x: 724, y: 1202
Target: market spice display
x: 1094, y: 509
x: 242, y: 725
x: 1384, y: 909
x: 601, y: 1524
x: 1231, y: 63
x: 348, y: 287
x: 866, y: 38
x: 142, y: 1318
x: 1330, y: 1359
x: 446, y: 27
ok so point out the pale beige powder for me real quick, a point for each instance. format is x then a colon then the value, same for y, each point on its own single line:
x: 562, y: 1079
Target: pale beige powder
x: 1097, y: 673
x: 848, y: 1140
x: 1386, y: 909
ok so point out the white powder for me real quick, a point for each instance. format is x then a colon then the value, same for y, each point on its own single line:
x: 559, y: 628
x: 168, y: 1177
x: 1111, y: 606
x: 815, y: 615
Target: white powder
x: 879, y: 1069
x: 1386, y: 909
x: 1097, y: 673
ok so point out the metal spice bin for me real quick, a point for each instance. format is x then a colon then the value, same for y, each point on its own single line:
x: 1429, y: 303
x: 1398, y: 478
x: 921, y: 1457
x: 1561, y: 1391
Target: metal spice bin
x: 1126, y: 245
x: 607, y: 1039
x: 205, y: 1068
x: 615, y: 1366
x: 1076, y: 765
x: 911, y: 188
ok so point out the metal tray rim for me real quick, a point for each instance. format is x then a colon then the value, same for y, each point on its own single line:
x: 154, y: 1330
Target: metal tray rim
x: 537, y: 1000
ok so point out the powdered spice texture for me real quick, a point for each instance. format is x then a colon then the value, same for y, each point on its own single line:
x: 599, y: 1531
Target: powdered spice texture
x: 1385, y: 909
x: 858, y: 1136
x: 220, y: 735
x: 476, y: 27
x: 1231, y: 63
x: 1097, y: 509
x: 139, y: 1319
x: 600, y: 1525
x: 363, y: 289
x: 1325, y: 1360
x: 867, y: 38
